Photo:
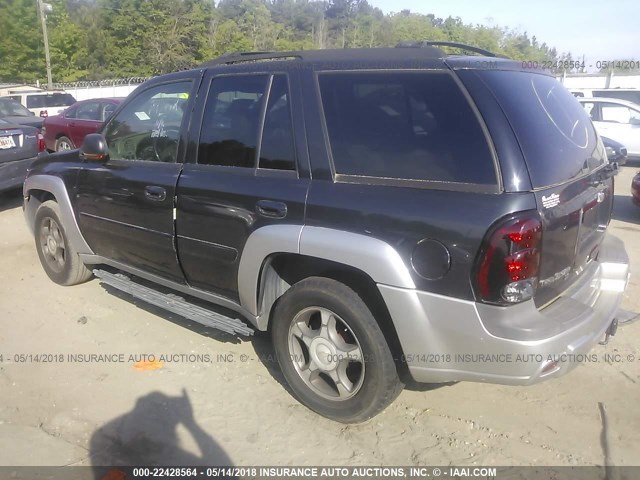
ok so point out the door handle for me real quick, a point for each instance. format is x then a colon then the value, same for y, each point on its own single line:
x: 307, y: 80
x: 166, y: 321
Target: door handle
x: 271, y: 209
x: 157, y: 194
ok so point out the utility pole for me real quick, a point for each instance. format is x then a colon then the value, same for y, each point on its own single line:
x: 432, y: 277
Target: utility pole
x: 42, y: 9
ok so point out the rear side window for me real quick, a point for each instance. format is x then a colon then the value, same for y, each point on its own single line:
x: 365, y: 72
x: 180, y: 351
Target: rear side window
x: 414, y: 126
x: 50, y: 100
x: 554, y: 131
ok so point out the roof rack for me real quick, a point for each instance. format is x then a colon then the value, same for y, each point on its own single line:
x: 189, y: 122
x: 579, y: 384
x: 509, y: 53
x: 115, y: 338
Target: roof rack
x: 461, y: 46
x: 240, y: 57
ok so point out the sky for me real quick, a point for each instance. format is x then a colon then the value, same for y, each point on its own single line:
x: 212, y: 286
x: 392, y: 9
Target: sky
x: 598, y: 29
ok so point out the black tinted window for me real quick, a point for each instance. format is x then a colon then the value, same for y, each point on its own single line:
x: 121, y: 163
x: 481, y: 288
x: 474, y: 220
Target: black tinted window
x: 404, y: 125
x: 554, y: 131
x: 229, y: 132
x: 148, y: 127
x: 276, y: 149
x: 50, y: 100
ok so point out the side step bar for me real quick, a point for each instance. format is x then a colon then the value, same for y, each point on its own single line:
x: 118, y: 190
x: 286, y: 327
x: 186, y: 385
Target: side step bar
x: 174, y: 304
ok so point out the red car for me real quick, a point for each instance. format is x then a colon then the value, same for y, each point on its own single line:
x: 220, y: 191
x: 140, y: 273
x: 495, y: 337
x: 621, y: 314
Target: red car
x: 635, y: 189
x: 67, y: 130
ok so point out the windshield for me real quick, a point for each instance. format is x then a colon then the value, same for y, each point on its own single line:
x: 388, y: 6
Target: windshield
x: 555, y: 133
x: 50, y: 100
x: 11, y: 108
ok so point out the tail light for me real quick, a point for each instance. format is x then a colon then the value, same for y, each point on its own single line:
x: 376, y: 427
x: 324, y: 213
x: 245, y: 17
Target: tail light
x: 42, y: 145
x: 507, y: 266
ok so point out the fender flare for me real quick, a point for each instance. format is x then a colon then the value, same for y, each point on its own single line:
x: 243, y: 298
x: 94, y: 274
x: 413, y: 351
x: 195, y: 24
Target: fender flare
x: 56, y: 187
x: 370, y: 255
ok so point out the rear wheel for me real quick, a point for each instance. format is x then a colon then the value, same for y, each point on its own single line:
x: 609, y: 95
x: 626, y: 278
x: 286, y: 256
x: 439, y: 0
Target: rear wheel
x: 332, y: 351
x: 63, y: 143
x: 57, y: 256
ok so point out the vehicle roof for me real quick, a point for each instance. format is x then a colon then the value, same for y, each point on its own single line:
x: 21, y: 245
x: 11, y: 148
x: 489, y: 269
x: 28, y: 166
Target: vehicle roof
x: 619, y: 101
x: 356, y: 58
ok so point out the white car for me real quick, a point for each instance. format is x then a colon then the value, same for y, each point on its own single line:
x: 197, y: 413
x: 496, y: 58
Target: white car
x: 44, y: 103
x: 616, y: 119
x: 629, y: 94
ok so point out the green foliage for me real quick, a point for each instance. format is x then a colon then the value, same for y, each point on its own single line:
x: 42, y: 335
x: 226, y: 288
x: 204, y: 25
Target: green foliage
x: 96, y: 39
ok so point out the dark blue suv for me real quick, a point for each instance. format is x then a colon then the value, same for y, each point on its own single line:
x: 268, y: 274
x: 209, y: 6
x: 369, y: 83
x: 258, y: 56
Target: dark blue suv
x: 386, y: 214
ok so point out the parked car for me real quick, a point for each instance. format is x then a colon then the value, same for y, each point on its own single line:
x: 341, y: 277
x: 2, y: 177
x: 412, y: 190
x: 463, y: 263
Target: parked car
x: 44, y: 103
x: 67, y: 130
x: 635, y: 189
x: 628, y: 94
x: 616, y: 119
x: 382, y: 213
x: 616, y: 152
x: 19, y: 146
x: 13, y: 112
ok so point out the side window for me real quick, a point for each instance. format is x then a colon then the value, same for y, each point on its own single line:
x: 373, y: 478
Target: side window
x: 230, y: 125
x: 616, y: 113
x: 70, y: 112
x: 88, y: 111
x: 148, y: 127
x: 107, y: 110
x: 414, y: 126
x: 277, y: 147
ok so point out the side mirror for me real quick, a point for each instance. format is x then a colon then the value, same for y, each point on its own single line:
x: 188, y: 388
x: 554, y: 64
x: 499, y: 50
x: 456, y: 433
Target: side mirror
x: 94, y: 148
x: 635, y: 121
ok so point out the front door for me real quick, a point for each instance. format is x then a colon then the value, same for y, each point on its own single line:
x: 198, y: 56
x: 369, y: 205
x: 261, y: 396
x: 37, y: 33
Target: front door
x: 126, y: 205
x: 248, y: 175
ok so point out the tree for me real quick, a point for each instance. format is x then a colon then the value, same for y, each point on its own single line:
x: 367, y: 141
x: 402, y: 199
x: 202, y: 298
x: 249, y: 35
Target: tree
x: 21, y: 43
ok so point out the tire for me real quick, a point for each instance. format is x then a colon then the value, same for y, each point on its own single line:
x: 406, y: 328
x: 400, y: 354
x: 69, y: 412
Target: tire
x: 347, y: 373
x: 63, y: 143
x: 57, y: 256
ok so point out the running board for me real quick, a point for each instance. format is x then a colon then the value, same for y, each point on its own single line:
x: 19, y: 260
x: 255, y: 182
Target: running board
x: 174, y: 304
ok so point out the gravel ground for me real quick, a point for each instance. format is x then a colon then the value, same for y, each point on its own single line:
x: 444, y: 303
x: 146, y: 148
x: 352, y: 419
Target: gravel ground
x: 226, y: 403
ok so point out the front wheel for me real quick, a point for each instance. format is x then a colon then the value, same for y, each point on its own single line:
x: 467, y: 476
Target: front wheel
x: 59, y: 259
x: 332, y: 351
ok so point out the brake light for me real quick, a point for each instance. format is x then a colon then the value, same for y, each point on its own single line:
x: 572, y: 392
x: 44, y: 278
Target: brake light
x: 508, y: 263
x: 42, y: 145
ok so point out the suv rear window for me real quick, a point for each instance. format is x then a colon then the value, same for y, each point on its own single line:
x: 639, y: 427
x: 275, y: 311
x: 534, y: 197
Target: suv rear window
x: 50, y: 100
x: 404, y: 125
x: 554, y: 131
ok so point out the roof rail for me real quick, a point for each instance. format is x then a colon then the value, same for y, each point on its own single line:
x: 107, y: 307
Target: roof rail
x: 461, y: 46
x: 239, y: 57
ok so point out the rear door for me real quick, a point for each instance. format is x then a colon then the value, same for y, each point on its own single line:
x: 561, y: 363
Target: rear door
x: 86, y: 120
x: 246, y: 173
x: 567, y: 166
x: 126, y: 205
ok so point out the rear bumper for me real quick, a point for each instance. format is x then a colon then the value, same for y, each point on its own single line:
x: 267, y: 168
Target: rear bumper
x: 445, y: 340
x: 12, y: 174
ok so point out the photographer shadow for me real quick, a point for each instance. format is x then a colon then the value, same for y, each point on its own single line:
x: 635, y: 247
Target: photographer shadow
x: 148, y: 436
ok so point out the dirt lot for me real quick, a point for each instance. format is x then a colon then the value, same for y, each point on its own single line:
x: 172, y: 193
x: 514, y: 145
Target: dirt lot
x: 234, y: 410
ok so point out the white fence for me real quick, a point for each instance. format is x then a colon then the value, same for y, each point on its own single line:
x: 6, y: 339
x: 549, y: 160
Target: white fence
x: 101, y: 89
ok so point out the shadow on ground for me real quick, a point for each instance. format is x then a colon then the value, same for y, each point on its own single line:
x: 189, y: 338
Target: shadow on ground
x: 624, y: 210
x: 147, y: 436
x: 10, y: 199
